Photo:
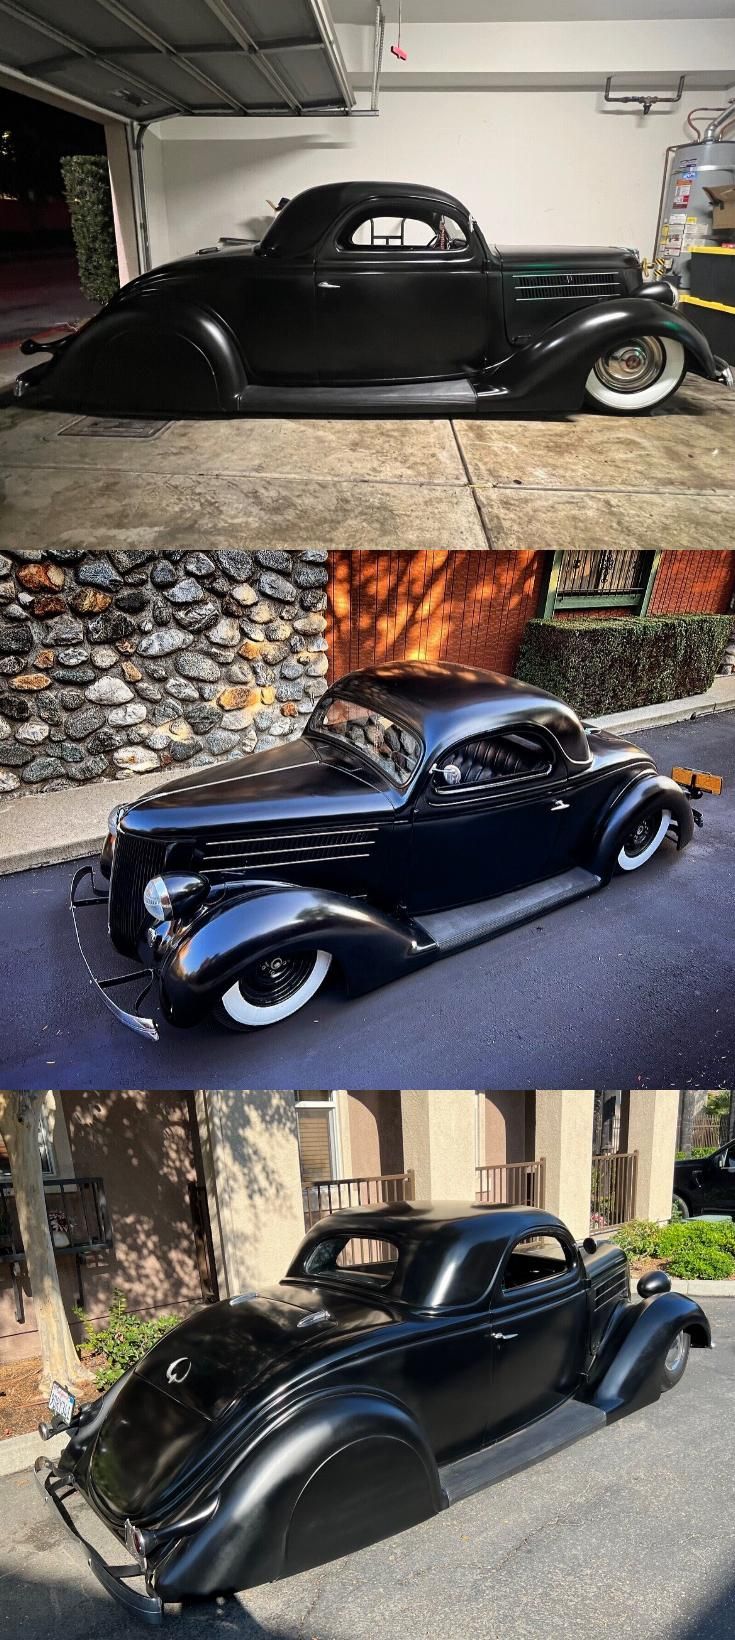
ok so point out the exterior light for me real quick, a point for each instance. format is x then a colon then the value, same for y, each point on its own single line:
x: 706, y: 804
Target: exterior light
x: 175, y: 894
x: 114, y: 818
x: 157, y: 901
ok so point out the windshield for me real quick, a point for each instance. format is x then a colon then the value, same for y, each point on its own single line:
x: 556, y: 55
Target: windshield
x: 395, y: 750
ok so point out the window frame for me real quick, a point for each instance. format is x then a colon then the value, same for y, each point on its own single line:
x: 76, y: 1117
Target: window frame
x: 448, y: 796
x: 569, y: 1276
x: 398, y: 206
x: 634, y: 603
x: 328, y: 1106
x: 359, y: 751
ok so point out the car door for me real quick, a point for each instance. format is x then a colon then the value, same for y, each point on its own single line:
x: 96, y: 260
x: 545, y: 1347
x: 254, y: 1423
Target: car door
x: 401, y: 295
x: 718, y: 1182
x: 509, y: 819
x: 539, y: 1324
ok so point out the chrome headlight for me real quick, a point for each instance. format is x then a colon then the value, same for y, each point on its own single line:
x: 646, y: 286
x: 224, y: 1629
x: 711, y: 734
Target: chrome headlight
x: 157, y: 900
x: 114, y: 818
x: 174, y: 895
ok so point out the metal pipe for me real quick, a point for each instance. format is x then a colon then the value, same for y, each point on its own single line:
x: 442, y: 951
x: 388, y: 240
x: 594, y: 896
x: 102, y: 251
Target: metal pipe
x: 144, y: 243
x: 716, y: 128
x: 377, y: 56
x: 322, y: 18
x: 664, y: 185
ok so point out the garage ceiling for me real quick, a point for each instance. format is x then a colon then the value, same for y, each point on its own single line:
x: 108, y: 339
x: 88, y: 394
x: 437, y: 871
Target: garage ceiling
x: 144, y: 59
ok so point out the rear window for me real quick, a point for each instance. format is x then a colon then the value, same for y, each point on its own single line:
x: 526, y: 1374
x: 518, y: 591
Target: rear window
x: 353, y: 1258
x: 377, y: 738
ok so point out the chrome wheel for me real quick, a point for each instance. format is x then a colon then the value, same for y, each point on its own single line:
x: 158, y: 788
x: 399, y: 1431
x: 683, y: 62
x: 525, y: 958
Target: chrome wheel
x: 675, y: 1360
x: 676, y: 1353
x: 636, y: 374
x: 632, y: 366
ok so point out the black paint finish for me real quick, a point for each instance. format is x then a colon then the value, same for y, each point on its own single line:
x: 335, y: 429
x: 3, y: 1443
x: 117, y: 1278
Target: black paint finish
x: 707, y: 1184
x: 315, y: 846
x: 308, y: 323
x: 274, y: 1431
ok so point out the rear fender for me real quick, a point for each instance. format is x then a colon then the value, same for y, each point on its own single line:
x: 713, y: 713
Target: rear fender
x: 631, y: 805
x: 340, y: 1473
x: 370, y: 946
x: 552, y: 370
x: 141, y: 357
x: 628, y: 1374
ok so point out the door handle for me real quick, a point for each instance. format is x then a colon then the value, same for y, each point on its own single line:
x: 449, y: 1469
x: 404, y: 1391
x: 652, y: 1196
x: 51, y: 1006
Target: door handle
x: 326, y: 284
x: 557, y: 807
x: 502, y: 1337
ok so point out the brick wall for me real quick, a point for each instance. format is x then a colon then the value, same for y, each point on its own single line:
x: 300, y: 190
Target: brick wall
x: 693, y: 583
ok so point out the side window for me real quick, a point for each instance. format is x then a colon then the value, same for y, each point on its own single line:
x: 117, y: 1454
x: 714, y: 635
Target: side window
x: 430, y: 230
x: 490, y: 758
x: 536, y: 1258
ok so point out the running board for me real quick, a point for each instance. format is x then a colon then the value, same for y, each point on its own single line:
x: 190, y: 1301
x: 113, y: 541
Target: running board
x: 560, y: 1428
x: 469, y: 924
x: 444, y: 398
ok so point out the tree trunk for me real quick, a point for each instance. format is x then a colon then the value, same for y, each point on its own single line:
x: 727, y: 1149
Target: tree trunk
x: 19, y: 1118
x: 688, y: 1115
x: 731, y: 1126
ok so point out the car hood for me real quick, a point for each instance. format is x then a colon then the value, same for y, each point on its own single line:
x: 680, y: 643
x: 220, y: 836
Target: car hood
x: 215, y: 1367
x: 300, y: 781
x: 567, y: 258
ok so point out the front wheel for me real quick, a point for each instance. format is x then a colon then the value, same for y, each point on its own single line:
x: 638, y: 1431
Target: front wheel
x: 636, y: 375
x: 644, y: 838
x: 675, y: 1360
x: 273, y: 988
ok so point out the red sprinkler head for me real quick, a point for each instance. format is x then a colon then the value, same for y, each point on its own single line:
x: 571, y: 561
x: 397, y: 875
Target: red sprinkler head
x: 399, y: 52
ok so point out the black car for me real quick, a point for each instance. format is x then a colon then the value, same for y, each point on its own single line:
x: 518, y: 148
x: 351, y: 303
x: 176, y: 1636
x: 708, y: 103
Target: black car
x: 706, y: 1184
x: 413, y: 1354
x: 378, y: 299
x: 424, y: 809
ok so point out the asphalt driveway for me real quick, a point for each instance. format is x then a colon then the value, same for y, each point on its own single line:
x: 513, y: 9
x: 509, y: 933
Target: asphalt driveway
x: 632, y: 987
x: 630, y: 1532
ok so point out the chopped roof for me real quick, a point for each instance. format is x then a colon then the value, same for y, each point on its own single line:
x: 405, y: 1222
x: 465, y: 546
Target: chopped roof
x: 302, y: 224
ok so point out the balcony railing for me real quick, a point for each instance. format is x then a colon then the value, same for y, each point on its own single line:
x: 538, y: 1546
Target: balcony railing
x: 613, y: 1193
x: 78, y: 1220
x: 512, y: 1184
x: 324, y: 1196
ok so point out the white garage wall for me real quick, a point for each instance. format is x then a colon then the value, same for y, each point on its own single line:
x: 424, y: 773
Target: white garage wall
x: 533, y: 165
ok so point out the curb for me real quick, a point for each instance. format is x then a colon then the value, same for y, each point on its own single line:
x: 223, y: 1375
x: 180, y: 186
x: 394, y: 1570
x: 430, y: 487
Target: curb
x: 704, y: 1289
x: 20, y: 1451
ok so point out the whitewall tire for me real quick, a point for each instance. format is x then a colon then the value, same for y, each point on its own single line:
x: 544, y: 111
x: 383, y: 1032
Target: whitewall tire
x: 636, y: 375
x: 644, y: 839
x: 272, y: 989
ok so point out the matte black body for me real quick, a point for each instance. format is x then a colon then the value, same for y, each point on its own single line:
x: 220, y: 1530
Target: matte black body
x: 270, y: 1433
x: 303, y: 324
x: 310, y: 846
x: 707, y: 1184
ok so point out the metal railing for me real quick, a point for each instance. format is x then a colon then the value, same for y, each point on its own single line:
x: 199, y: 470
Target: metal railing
x: 613, y: 1191
x: 710, y: 1130
x: 600, y: 572
x: 512, y: 1184
x: 321, y: 1197
x: 77, y: 1213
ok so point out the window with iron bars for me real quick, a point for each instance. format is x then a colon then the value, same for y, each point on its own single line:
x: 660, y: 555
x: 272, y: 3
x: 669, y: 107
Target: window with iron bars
x: 600, y: 579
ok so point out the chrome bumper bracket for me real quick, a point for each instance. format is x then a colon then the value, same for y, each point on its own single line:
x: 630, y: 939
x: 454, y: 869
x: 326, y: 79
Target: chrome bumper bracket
x: 134, y: 1021
x: 55, y: 1488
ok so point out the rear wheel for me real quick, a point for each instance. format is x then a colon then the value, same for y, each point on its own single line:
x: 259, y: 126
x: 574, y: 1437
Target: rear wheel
x: 679, y: 1208
x: 675, y: 1360
x: 636, y: 375
x: 644, y: 838
x: 272, y: 989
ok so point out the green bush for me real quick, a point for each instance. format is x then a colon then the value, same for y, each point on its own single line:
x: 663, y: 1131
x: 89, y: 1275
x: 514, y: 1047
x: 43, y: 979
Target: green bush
x: 701, y: 1264
x: 696, y: 1153
x: 613, y: 665
x: 689, y: 1249
x: 87, y: 189
x: 639, y: 1239
x: 123, y: 1340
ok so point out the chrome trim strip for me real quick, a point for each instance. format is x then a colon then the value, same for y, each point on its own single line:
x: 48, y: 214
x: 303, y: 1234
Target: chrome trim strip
x: 303, y: 860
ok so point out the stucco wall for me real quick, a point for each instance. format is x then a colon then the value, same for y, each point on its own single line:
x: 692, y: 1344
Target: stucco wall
x: 376, y: 1137
x: 125, y: 662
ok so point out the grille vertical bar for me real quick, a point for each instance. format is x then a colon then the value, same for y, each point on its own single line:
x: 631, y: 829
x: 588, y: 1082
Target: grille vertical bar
x: 136, y: 860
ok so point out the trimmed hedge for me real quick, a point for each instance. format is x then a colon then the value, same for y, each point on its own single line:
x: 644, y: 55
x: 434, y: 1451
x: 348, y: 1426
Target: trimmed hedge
x: 691, y: 1249
x: 613, y: 665
x: 87, y: 189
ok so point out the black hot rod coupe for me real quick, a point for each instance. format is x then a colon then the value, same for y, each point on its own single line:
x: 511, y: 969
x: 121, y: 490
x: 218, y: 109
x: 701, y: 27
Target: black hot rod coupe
x: 377, y: 299
x: 414, y: 1354
x: 425, y: 808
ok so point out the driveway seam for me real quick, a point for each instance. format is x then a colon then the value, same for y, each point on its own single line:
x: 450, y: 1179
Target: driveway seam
x: 472, y: 487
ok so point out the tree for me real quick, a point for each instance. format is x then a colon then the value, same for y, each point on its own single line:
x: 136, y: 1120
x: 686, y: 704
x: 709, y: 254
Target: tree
x: 687, y: 1116
x: 19, y: 1119
x: 731, y: 1126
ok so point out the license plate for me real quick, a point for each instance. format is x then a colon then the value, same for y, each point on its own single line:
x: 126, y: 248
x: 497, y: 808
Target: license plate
x: 62, y: 1402
x: 697, y: 778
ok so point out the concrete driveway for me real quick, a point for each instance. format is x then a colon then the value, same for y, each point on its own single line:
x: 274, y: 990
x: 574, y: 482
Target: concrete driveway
x: 631, y: 987
x: 664, y: 479
x: 631, y: 1532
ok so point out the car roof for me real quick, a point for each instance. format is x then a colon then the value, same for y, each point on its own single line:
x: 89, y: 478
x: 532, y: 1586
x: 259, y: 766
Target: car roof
x: 450, y: 1251
x: 445, y: 703
x: 303, y: 222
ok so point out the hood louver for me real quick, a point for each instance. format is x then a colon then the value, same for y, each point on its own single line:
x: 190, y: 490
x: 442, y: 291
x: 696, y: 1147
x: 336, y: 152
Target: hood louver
x: 595, y: 286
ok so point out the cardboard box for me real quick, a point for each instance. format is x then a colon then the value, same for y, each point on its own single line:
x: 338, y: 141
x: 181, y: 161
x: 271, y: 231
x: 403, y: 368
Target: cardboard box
x: 723, y: 208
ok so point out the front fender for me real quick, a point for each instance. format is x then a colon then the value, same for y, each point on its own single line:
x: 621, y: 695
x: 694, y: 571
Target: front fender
x: 633, y: 803
x: 551, y: 372
x: 342, y: 1471
x: 633, y: 1354
x: 370, y: 946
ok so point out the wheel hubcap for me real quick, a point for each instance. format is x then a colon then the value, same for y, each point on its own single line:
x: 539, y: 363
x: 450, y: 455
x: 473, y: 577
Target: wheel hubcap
x: 632, y: 366
x: 275, y: 979
x: 675, y: 1354
x: 641, y: 837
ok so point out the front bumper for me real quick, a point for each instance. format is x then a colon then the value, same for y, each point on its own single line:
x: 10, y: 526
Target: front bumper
x: 56, y: 1488
x: 135, y: 1021
x: 725, y: 373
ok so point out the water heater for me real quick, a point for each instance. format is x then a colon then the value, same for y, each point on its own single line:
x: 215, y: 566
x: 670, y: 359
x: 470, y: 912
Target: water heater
x: 685, y: 216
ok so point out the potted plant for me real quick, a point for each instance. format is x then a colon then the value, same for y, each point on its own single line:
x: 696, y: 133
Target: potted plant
x: 60, y: 1229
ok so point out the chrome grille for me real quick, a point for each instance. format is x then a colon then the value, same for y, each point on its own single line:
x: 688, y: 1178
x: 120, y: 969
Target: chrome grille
x: 555, y: 287
x: 293, y: 848
x: 135, y: 861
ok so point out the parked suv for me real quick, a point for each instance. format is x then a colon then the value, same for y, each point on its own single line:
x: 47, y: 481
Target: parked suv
x: 706, y: 1185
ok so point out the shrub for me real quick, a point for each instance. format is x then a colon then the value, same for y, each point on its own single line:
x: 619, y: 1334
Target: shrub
x: 123, y: 1340
x: 696, y: 1153
x: 639, y: 1239
x: 701, y: 1264
x: 613, y: 665
x: 87, y: 189
x: 688, y: 1248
